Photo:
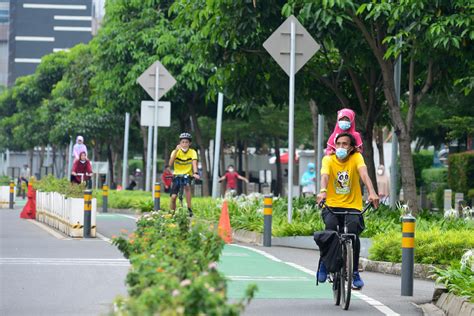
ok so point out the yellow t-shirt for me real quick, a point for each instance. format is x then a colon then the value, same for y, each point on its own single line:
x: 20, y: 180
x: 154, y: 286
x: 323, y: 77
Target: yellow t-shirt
x: 343, y: 185
x: 183, y: 163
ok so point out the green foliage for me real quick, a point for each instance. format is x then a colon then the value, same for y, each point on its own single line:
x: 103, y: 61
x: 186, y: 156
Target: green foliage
x: 62, y: 186
x: 461, y: 172
x: 174, y: 268
x: 433, y: 246
x: 459, y: 127
x: 459, y: 277
x: 4, y: 180
x: 422, y: 160
x: 435, y: 181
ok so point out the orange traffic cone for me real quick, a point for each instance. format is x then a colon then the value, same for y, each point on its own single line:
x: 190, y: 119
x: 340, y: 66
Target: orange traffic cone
x: 224, y: 230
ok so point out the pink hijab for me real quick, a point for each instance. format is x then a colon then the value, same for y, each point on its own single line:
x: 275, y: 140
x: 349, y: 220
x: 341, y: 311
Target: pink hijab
x: 337, y: 130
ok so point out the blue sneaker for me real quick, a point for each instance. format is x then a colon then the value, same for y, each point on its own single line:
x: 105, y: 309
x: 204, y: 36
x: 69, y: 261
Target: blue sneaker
x: 357, y: 282
x: 322, y: 274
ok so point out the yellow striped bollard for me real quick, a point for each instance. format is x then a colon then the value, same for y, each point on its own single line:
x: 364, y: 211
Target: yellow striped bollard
x: 12, y: 194
x: 87, y: 213
x: 408, y: 254
x: 267, y: 220
x: 156, y: 204
x: 105, y: 197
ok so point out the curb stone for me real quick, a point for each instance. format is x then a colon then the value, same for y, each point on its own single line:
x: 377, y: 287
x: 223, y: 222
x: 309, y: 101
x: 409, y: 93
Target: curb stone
x: 454, y: 305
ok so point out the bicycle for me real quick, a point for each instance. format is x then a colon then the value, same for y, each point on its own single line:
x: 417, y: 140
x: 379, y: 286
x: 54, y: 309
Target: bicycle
x: 183, y: 180
x: 342, y: 279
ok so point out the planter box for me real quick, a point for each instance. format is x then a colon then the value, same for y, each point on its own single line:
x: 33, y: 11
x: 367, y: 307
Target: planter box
x: 5, y: 196
x: 64, y: 214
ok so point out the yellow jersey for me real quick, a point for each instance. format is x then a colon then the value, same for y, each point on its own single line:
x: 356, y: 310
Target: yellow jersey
x: 344, y: 181
x: 183, y: 163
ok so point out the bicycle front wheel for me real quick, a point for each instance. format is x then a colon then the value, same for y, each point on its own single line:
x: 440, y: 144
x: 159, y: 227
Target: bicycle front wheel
x: 336, y: 287
x: 346, y: 274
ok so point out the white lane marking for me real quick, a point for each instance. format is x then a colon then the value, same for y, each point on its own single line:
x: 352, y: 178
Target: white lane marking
x: 53, y: 6
x: 28, y: 60
x: 234, y: 254
x: 378, y: 305
x: 72, y: 18
x: 267, y: 278
x: 102, y: 237
x: 128, y: 216
x: 263, y: 253
x: 34, y: 38
x: 65, y: 261
x: 72, y: 28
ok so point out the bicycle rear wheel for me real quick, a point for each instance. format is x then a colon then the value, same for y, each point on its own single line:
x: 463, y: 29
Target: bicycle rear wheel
x: 346, y: 274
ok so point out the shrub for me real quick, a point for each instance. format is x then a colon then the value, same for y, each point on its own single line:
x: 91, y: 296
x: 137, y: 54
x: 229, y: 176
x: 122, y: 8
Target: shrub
x: 422, y: 160
x: 62, y: 186
x: 434, y: 246
x: 459, y: 277
x: 173, y: 269
x: 4, y: 180
x: 434, y: 176
x: 461, y: 172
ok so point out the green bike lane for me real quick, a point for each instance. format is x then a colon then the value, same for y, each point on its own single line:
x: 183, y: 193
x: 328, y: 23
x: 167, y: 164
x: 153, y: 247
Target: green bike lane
x: 285, y: 288
x: 274, y: 278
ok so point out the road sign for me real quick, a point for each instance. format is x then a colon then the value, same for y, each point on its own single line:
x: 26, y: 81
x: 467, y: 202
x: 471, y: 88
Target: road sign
x: 147, y: 80
x: 291, y: 46
x: 147, y: 113
x: 278, y: 45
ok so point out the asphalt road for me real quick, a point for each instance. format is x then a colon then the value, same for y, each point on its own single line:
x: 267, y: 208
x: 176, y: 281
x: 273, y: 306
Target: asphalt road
x: 43, y: 275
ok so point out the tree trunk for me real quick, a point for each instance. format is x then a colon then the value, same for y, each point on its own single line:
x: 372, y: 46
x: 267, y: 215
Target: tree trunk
x: 407, y: 172
x: 379, y: 142
x: 369, y: 153
x: 31, y: 153
x: 221, y: 171
x: 279, y: 177
x: 246, y: 164
x: 202, y: 149
x: 53, y: 164
x: 314, y: 117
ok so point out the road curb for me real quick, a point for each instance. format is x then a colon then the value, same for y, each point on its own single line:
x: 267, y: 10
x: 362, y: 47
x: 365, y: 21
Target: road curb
x: 455, y: 305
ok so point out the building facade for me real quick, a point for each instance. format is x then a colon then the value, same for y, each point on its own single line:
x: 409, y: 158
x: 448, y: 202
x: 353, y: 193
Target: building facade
x: 40, y: 27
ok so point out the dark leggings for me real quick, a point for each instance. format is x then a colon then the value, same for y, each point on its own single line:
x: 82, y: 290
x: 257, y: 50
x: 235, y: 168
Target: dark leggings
x: 355, y: 225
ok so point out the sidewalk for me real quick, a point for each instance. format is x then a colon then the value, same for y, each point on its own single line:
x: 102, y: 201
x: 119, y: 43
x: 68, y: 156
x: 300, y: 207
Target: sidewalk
x: 43, y: 275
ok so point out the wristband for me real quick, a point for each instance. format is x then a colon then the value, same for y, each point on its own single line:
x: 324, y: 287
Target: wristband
x: 323, y: 190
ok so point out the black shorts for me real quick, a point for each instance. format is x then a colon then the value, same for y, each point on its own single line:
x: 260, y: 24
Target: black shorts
x: 178, y: 182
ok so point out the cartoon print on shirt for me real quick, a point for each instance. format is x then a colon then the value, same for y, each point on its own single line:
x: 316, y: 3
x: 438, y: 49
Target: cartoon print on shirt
x: 342, y: 183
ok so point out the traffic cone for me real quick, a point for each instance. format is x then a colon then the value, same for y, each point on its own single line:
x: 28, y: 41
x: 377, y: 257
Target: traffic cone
x: 224, y: 230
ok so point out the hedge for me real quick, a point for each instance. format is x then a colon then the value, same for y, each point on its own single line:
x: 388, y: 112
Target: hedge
x: 422, y: 160
x: 461, y: 172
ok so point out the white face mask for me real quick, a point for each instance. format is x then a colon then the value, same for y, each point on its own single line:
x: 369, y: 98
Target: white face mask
x: 380, y: 172
x: 231, y: 169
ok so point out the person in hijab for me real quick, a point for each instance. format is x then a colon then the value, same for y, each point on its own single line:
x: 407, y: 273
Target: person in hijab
x: 82, y: 171
x: 79, y: 147
x: 345, y: 124
x: 383, y: 184
x: 308, y: 180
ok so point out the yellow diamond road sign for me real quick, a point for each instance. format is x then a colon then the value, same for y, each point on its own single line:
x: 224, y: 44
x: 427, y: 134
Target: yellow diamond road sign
x: 278, y: 45
x: 147, y: 80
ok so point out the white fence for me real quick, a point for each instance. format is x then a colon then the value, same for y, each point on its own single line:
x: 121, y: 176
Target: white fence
x: 5, y: 196
x: 64, y: 214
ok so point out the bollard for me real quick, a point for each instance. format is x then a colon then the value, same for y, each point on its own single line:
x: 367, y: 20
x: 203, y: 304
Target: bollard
x: 87, y: 213
x: 408, y: 254
x: 105, y: 197
x: 267, y: 220
x: 12, y: 191
x: 156, y: 204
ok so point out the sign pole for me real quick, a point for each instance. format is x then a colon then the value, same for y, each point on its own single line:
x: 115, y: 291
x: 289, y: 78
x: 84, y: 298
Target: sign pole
x: 291, y: 149
x: 217, y: 145
x: 125, y: 151
x: 148, y: 158
x: 155, y: 126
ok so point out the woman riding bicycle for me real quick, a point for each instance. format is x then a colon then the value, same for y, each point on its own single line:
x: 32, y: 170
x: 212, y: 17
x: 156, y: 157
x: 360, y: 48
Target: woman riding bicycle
x: 184, y: 162
x: 340, y: 187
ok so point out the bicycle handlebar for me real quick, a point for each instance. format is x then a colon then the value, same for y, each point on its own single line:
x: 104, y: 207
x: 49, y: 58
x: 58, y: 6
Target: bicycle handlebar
x: 323, y: 204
